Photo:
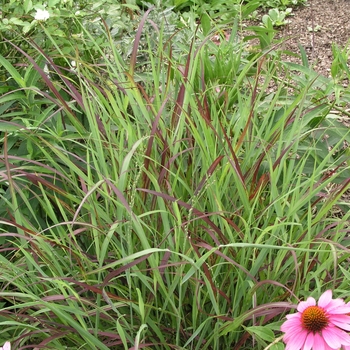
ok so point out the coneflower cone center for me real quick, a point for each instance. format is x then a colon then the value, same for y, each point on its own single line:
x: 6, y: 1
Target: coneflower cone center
x: 314, y: 319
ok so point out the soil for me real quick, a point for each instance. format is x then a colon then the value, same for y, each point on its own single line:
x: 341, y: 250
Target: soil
x: 317, y: 26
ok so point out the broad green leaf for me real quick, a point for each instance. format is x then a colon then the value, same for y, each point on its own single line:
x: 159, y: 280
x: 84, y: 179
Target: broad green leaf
x: 206, y: 24
x: 27, y: 5
x: 262, y: 332
x: 12, y: 71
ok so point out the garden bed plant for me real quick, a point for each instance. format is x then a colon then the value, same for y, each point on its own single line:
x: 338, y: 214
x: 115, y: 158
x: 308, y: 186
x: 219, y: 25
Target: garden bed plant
x: 163, y: 186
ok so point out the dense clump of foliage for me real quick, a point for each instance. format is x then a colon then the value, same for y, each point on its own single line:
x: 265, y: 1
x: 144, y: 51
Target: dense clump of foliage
x: 169, y: 180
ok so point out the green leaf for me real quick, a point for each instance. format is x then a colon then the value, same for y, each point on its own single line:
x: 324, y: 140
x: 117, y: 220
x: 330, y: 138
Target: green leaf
x: 345, y: 272
x: 181, y: 3
x: 6, y: 127
x: 53, y: 3
x: 27, y: 27
x: 262, y: 332
x: 274, y: 15
x: 17, y: 21
x: 27, y: 6
x: 267, y: 21
x: 122, y: 335
x: 13, y: 71
x: 141, y: 305
x: 303, y: 55
x: 206, y: 23
x: 60, y: 33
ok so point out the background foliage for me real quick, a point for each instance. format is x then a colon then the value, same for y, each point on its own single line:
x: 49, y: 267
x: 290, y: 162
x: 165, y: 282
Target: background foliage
x: 168, y: 180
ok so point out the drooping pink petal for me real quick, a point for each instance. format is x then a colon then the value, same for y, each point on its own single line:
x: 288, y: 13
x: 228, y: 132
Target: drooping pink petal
x: 331, y: 338
x: 309, y: 342
x: 335, y: 304
x: 296, y: 342
x: 325, y: 298
x: 300, y: 333
x: 340, y: 318
x: 295, y: 331
x: 291, y: 324
x: 340, y: 310
x: 342, y: 325
x: 319, y: 343
x: 343, y: 337
x: 296, y: 316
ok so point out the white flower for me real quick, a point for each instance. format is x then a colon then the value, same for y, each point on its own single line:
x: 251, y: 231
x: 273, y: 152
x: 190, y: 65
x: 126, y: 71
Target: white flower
x: 41, y: 15
x: 46, y: 69
x: 7, y: 346
x: 47, y: 72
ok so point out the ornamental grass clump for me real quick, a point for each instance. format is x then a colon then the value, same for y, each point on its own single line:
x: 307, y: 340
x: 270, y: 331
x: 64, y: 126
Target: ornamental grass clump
x: 167, y: 199
x: 320, y: 326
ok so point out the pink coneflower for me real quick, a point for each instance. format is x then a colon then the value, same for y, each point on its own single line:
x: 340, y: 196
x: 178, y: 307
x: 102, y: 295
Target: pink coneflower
x: 318, y: 327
